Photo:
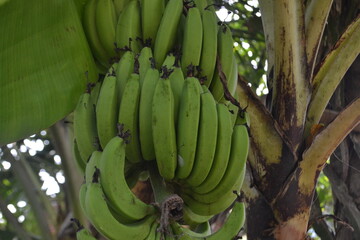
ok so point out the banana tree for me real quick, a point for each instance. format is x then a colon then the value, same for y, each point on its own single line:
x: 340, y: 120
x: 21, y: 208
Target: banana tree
x: 289, y: 145
x: 46, y: 63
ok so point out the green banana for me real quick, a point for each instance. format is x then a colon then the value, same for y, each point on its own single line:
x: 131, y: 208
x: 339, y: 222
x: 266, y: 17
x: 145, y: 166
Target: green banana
x: 180, y: 33
x: 82, y: 193
x: 209, y: 45
x: 193, y: 219
x: 225, y: 53
x: 124, y: 69
x: 79, y: 161
x: 92, y: 34
x: 84, y: 234
x: 232, y: 82
x: 120, y: 197
x: 128, y: 28
x: 107, y: 109
x: 129, y: 116
x: 163, y: 125
x: 233, y: 224
x: 85, y: 131
x: 183, y: 233
x: 153, y: 231
x: 222, y: 152
x: 166, y: 33
x: 105, y: 20
x: 235, y: 171
x: 187, y: 127
x: 157, y: 236
x: 207, y: 136
x: 229, y: 230
x: 169, y: 61
x: 210, y: 5
x: 206, y: 209
x: 94, y: 95
x: 234, y: 110
x: 203, y: 228
x: 103, y: 220
x: 192, y: 40
x: 151, y: 14
x: 201, y: 5
x: 145, y: 113
x: 243, y: 118
x: 119, y: 6
x: 177, y: 82
x: 145, y: 62
x: 91, y: 165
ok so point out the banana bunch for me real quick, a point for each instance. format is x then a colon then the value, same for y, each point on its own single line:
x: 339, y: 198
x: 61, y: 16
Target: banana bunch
x: 166, y: 101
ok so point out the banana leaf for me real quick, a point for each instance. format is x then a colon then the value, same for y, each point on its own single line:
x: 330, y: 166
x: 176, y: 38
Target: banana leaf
x: 45, y: 64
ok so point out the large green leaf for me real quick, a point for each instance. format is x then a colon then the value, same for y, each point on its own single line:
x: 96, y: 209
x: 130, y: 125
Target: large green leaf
x: 45, y: 63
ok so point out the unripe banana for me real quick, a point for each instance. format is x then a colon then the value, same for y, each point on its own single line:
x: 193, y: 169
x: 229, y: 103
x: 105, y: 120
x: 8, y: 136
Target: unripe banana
x: 92, y: 34
x: 85, y: 131
x: 234, y: 110
x: 243, y: 118
x: 187, y: 127
x: 114, y: 184
x: 235, y: 171
x: 82, y: 193
x: 119, y: 6
x: 192, y: 40
x: 179, y: 33
x: 209, y: 45
x: 203, y: 228
x: 103, y: 220
x: 151, y: 14
x: 91, y: 166
x: 232, y: 82
x: 201, y: 5
x: 163, y: 125
x: 233, y: 224
x: 78, y: 159
x: 129, y: 116
x: 107, y: 109
x: 207, y: 136
x: 123, y: 71
x: 145, y: 113
x: 229, y: 230
x: 206, y: 209
x: 177, y: 82
x: 145, y: 62
x: 166, y: 33
x: 210, y: 5
x: 225, y: 53
x: 84, y: 234
x: 222, y: 152
x: 153, y: 231
x: 128, y: 27
x: 95, y: 91
x: 188, y: 234
x: 193, y: 219
x: 169, y: 61
x: 105, y: 20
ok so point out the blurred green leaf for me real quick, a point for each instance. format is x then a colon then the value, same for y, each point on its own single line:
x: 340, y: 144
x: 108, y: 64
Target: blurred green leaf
x: 45, y: 65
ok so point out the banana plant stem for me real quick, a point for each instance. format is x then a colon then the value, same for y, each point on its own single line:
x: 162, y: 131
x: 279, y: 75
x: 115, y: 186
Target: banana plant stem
x: 160, y: 188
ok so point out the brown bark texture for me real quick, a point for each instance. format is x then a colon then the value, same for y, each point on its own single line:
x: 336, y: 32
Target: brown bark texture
x: 283, y: 162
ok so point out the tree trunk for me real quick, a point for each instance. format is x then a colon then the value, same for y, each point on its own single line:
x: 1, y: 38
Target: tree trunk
x: 289, y: 146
